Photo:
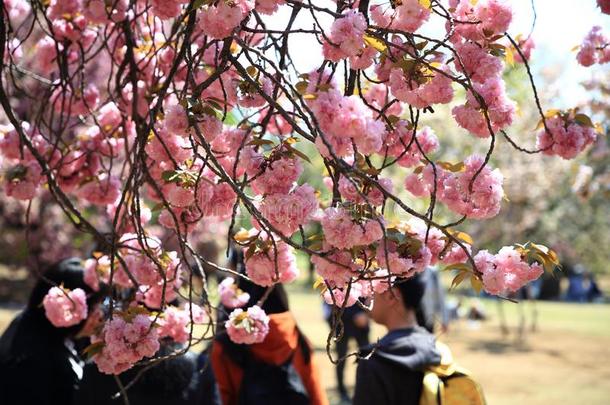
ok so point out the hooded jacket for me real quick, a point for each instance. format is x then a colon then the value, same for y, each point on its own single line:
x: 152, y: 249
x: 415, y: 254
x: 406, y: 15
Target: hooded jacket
x: 393, y: 373
x: 281, y: 342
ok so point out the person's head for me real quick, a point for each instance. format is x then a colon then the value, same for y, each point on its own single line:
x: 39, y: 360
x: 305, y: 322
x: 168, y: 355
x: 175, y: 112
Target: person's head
x: 399, y: 303
x: 70, y: 274
x: 276, y: 301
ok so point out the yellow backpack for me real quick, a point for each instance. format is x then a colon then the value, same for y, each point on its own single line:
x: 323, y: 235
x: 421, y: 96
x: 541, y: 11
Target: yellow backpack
x: 450, y: 384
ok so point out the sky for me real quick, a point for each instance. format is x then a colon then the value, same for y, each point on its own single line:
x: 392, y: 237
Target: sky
x: 560, y: 26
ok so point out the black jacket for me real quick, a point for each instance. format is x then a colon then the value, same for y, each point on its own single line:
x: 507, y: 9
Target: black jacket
x: 37, y: 364
x: 182, y: 380
x: 393, y: 374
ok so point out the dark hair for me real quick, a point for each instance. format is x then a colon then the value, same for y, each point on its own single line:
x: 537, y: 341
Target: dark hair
x: 276, y: 301
x: 70, y: 274
x: 412, y: 290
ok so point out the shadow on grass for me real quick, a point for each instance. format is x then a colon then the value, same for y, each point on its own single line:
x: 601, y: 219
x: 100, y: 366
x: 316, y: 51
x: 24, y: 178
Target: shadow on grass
x: 500, y: 347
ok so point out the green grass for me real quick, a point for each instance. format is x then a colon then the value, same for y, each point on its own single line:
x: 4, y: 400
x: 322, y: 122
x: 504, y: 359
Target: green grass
x: 586, y: 319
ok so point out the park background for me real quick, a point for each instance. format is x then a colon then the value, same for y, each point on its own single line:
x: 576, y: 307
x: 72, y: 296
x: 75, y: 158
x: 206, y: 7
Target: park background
x: 563, y: 204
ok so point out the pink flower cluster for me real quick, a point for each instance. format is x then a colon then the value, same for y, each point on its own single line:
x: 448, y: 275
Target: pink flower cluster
x: 230, y: 295
x: 595, y: 48
x: 402, y: 263
x: 476, y: 61
x: 342, y: 297
x: 268, y: 6
x: 409, y: 146
x: 505, y: 271
x: 166, y: 9
x: 346, y: 36
x: 406, y: 15
x: 248, y: 327
x: 286, y: 212
x: 22, y: 181
x: 219, y: 21
x: 566, y: 138
x: 437, y: 242
x: 125, y: 340
x: 175, y: 322
x: 422, y: 88
x: 193, y: 193
x: 97, y: 270
x: 336, y: 268
x: 64, y: 307
x: 278, y: 176
x: 261, y: 265
x: 364, y: 193
x: 342, y: 231
x: 484, y: 19
x: 453, y: 189
x: 344, y: 121
x: 500, y: 109
x: 157, y: 279
x: 526, y: 46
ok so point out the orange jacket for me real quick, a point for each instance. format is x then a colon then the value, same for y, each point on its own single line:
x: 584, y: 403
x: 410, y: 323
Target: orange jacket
x: 280, y: 343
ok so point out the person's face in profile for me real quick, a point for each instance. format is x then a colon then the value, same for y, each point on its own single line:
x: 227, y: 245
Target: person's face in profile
x: 383, y: 303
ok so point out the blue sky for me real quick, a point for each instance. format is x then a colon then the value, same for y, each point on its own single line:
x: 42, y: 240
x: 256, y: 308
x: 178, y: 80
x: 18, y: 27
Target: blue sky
x: 561, y: 25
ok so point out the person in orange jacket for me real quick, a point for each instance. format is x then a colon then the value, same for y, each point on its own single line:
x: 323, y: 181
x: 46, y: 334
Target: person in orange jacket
x: 285, y: 344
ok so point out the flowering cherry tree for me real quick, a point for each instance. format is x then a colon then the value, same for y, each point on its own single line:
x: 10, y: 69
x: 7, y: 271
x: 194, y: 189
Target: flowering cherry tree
x: 135, y: 114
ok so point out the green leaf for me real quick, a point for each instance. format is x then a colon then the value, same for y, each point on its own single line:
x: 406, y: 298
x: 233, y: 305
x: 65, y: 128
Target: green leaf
x: 242, y: 236
x: 231, y: 119
x: 476, y: 284
x: 298, y: 153
x: 421, y: 45
x: 426, y: 3
x: 457, y: 280
x: 250, y: 252
x: 198, y: 3
x: 455, y: 168
x: 301, y: 87
x: 509, y: 56
x: 407, y: 65
x: 93, y: 349
x: 170, y: 176
x: 462, y: 267
x: 463, y: 236
x: 158, y: 207
x: 584, y: 120
x: 375, y: 43
x: 260, y: 142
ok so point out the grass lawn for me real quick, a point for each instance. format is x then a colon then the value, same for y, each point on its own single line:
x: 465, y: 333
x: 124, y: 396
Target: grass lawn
x: 564, y: 362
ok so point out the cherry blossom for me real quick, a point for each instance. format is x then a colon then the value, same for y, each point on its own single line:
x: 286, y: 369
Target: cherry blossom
x: 230, y: 295
x: 248, y: 327
x: 64, y: 307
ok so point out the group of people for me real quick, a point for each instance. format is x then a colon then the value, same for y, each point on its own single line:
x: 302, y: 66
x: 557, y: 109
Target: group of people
x: 42, y: 364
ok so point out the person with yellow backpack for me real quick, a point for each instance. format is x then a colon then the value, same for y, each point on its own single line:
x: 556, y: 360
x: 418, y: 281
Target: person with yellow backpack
x: 407, y: 366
